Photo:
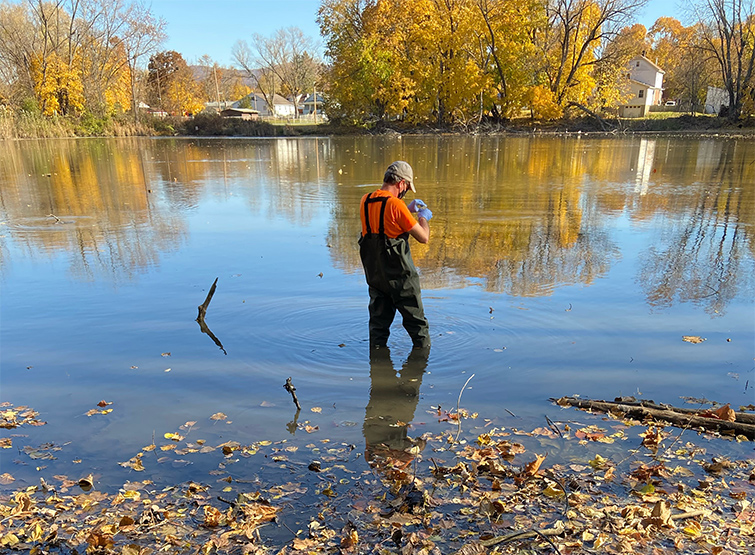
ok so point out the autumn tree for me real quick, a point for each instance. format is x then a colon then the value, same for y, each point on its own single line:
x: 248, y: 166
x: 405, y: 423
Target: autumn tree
x: 506, y: 33
x: 171, y: 84
x: 611, y: 69
x: 572, y: 41
x: 362, y: 80
x: 727, y: 30
x: 677, y: 49
x: 74, y: 55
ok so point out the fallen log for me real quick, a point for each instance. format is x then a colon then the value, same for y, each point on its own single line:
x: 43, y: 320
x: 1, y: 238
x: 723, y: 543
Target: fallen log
x: 680, y: 418
x: 745, y: 417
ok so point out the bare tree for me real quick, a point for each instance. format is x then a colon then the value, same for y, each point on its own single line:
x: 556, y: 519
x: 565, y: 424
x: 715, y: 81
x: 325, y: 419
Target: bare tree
x: 264, y: 79
x: 728, y: 34
x: 18, y: 42
x: 286, y: 60
x: 143, y: 34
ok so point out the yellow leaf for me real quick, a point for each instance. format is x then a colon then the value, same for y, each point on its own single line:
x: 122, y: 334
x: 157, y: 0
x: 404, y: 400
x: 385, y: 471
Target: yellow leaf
x: 647, y: 489
x: 598, y: 462
x: 692, y: 531
x: 553, y: 491
x: 9, y: 540
x: 316, y: 409
x: 484, y: 439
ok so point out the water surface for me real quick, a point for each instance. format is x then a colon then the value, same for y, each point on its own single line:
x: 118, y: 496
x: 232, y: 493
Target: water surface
x: 556, y: 266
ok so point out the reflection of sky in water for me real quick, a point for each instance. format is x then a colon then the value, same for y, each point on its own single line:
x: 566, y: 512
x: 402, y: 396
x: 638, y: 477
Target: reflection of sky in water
x: 567, y: 241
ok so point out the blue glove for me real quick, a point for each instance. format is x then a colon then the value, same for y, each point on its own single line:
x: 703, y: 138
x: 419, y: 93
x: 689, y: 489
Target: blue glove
x: 425, y: 213
x: 416, y: 205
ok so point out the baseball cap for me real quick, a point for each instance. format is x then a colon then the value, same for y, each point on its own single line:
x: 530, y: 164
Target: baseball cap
x: 402, y: 170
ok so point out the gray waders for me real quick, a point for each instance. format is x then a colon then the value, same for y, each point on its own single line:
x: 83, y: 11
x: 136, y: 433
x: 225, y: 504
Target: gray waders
x: 393, y: 282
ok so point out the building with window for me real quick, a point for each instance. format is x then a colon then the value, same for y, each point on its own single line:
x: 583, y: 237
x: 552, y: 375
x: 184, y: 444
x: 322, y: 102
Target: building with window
x: 644, y: 88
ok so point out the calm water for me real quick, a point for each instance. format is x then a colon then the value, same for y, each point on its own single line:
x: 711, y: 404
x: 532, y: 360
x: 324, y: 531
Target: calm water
x: 556, y: 266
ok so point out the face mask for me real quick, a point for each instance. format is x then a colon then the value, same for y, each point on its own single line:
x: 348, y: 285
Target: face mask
x: 402, y: 194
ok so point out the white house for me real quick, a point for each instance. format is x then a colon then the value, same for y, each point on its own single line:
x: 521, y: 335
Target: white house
x: 283, y: 108
x: 715, y: 99
x: 644, y: 87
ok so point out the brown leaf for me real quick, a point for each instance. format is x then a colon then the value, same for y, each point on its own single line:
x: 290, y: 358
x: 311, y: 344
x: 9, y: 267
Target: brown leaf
x: 86, y: 483
x: 211, y: 516
x: 218, y: 416
x: 472, y: 549
x: 725, y: 413
x: 350, y: 536
x: 6, y: 479
x: 530, y: 469
x: 693, y: 338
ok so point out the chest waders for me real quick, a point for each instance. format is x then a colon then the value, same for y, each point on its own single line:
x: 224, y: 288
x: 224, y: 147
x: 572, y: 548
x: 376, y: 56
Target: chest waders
x: 393, y: 281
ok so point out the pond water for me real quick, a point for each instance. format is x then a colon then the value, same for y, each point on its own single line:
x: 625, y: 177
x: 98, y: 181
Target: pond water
x: 556, y: 266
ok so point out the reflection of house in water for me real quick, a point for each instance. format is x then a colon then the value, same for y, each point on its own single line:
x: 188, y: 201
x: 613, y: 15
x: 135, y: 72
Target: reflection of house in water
x: 709, y: 153
x: 645, y: 160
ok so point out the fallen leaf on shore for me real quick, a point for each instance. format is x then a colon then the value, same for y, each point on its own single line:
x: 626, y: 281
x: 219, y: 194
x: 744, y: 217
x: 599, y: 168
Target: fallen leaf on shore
x: 722, y: 413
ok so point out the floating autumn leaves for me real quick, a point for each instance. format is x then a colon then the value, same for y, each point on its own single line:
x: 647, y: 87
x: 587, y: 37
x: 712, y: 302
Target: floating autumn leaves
x: 102, y: 410
x: 437, y: 494
x: 14, y: 417
x: 693, y: 338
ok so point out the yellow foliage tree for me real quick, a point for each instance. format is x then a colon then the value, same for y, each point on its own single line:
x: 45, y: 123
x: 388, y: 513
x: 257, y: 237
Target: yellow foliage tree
x: 508, y: 53
x: 570, y: 43
x: 544, y: 104
x: 57, y: 85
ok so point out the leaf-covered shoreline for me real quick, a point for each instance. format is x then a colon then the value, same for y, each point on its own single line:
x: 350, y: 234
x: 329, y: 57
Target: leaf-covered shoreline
x: 614, y: 486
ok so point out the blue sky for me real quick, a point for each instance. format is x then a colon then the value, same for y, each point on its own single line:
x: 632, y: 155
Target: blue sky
x: 197, y: 27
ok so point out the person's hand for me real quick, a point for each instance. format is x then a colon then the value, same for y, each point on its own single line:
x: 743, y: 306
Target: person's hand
x: 424, y: 213
x: 416, y: 205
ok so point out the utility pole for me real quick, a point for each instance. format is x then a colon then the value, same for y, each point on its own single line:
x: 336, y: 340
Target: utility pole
x: 314, y: 97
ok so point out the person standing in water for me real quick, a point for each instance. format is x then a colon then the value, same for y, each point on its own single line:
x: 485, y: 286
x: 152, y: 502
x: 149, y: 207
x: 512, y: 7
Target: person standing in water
x: 387, y: 224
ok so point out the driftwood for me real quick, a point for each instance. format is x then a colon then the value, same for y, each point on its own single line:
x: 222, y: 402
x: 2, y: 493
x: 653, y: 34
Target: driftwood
x: 203, y: 307
x: 204, y: 328
x: 289, y: 386
x: 743, y: 424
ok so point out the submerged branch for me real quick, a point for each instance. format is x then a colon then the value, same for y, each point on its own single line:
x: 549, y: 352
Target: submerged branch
x: 743, y: 424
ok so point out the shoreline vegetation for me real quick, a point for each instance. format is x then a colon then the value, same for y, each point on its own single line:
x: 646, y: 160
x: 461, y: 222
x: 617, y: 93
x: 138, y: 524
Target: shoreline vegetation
x: 15, y: 126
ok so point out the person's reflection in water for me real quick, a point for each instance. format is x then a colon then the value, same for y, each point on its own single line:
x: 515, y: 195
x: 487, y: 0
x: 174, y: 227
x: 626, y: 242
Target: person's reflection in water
x: 393, y: 400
